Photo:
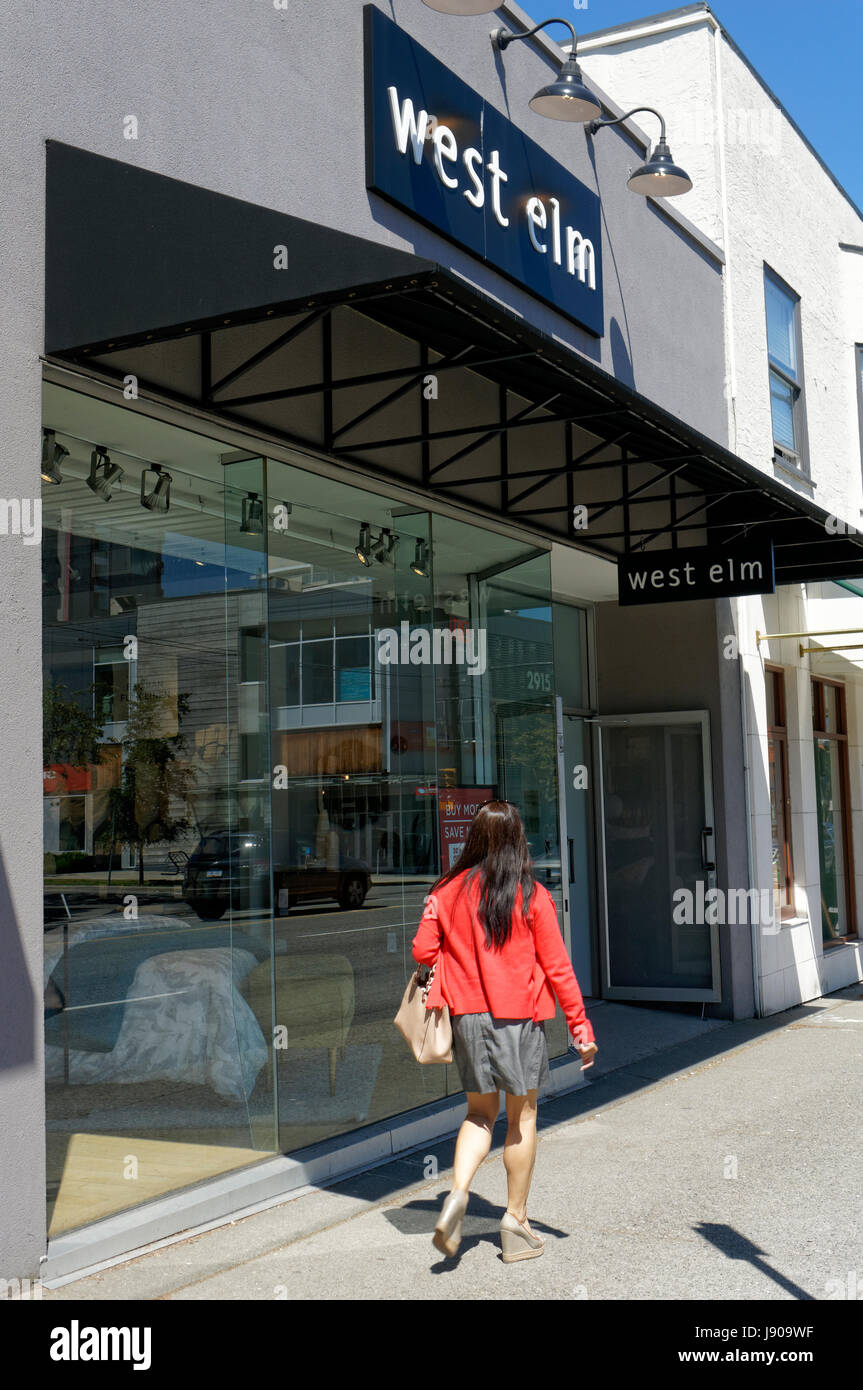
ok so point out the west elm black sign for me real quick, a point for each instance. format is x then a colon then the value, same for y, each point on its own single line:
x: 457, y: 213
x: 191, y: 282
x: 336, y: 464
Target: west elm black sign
x: 705, y: 571
x: 435, y: 147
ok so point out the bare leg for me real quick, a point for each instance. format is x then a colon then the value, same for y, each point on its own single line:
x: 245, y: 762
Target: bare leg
x: 474, y: 1137
x: 519, y: 1152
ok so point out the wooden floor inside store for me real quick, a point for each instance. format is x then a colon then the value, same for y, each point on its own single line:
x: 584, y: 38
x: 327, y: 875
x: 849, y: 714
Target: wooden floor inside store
x: 91, y: 1176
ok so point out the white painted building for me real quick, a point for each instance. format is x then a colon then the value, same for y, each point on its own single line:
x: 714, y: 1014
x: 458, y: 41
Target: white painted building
x: 793, y: 296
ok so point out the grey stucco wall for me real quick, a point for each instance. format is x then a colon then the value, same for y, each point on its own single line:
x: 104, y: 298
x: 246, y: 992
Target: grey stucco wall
x: 263, y: 104
x: 667, y: 657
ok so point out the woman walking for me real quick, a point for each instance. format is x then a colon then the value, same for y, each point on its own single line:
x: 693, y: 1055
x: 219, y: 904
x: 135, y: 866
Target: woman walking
x: 494, y: 933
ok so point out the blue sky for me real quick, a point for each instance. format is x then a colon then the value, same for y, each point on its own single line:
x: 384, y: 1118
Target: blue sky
x: 811, y: 55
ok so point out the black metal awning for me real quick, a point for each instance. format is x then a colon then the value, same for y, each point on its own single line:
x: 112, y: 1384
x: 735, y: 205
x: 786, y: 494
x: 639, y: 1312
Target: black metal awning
x: 392, y: 364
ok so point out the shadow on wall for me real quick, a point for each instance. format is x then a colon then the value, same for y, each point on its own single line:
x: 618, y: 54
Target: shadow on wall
x: 620, y: 359
x: 17, y: 1014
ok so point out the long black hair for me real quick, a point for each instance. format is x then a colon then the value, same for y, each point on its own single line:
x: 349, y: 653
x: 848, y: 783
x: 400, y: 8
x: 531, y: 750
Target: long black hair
x: 497, y: 852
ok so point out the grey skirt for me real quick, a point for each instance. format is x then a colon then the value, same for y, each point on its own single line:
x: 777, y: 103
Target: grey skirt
x: 500, y: 1054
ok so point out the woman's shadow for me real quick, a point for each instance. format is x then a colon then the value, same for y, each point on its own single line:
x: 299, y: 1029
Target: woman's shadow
x: 481, y: 1224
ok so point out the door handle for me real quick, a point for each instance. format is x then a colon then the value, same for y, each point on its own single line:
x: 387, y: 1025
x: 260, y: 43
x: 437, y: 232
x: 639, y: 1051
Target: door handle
x: 571, y: 861
x: 706, y: 863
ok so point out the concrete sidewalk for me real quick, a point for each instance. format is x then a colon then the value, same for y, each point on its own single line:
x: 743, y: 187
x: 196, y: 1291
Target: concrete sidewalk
x: 722, y: 1166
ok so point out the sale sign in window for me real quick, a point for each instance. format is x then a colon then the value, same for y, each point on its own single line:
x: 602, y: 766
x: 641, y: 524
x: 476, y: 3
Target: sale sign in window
x: 457, y: 807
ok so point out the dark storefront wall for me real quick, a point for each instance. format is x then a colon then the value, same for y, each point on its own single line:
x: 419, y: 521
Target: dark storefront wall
x: 666, y: 659
x: 292, y: 795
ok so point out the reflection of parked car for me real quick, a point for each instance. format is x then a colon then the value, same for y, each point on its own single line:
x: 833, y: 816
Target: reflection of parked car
x: 231, y: 868
x: 546, y: 866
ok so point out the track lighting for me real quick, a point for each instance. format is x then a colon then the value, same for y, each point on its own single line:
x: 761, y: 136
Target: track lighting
x: 383, y: 551
x: 660, y: 177
x: 53, y: 455
x: 363, y: 544
x: 159, y: 500
x: 253, y: 516
x: 103, y: 473
x: 566, y: 98
x: 420, y: 564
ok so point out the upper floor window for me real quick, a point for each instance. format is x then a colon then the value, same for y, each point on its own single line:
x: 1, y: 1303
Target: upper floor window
x: 786, y: 372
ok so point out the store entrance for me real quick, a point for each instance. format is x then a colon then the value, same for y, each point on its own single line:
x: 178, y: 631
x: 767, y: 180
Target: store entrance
x: 660, y: 940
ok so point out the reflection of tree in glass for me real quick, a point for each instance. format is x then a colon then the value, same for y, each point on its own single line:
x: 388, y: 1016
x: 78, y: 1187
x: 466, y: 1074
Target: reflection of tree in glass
x: 530, y: 758
x: 154, y: 776
x: 70, y: 735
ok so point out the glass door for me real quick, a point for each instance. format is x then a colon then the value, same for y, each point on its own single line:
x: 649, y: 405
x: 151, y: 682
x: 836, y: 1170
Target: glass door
x: 657, y: 839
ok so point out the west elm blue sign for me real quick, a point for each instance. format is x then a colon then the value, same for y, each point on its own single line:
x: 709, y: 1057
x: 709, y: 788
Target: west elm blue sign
x: 436, y: 148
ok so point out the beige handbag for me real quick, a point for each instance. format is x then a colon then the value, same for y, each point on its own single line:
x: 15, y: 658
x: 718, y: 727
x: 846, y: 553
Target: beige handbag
x: 427, y: 1032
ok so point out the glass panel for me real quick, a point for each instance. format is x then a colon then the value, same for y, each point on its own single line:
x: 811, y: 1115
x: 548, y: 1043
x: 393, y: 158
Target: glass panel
x: 781, y: 335
x: 653, y: 784
x: 520, y: 705
x: 782, y: 398
x: 355, y: 843
x: 570, y: 655
x: 831, y: 845
x: 149, y: 1050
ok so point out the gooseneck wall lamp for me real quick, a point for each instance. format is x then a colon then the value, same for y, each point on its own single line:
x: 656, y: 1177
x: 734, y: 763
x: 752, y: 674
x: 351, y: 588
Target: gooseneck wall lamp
x: 660, y: 177
x: 566, y: 98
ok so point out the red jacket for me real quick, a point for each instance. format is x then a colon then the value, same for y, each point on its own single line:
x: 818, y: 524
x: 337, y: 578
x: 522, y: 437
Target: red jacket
x: 519, y: 981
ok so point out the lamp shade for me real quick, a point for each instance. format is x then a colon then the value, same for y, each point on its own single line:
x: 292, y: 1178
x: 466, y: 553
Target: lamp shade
x: 363, y: 551
x: 567, y: 98
x: 463, y: 6
x: 660, y: 177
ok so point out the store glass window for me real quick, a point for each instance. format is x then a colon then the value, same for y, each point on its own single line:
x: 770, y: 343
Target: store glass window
x: 259, y: 753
